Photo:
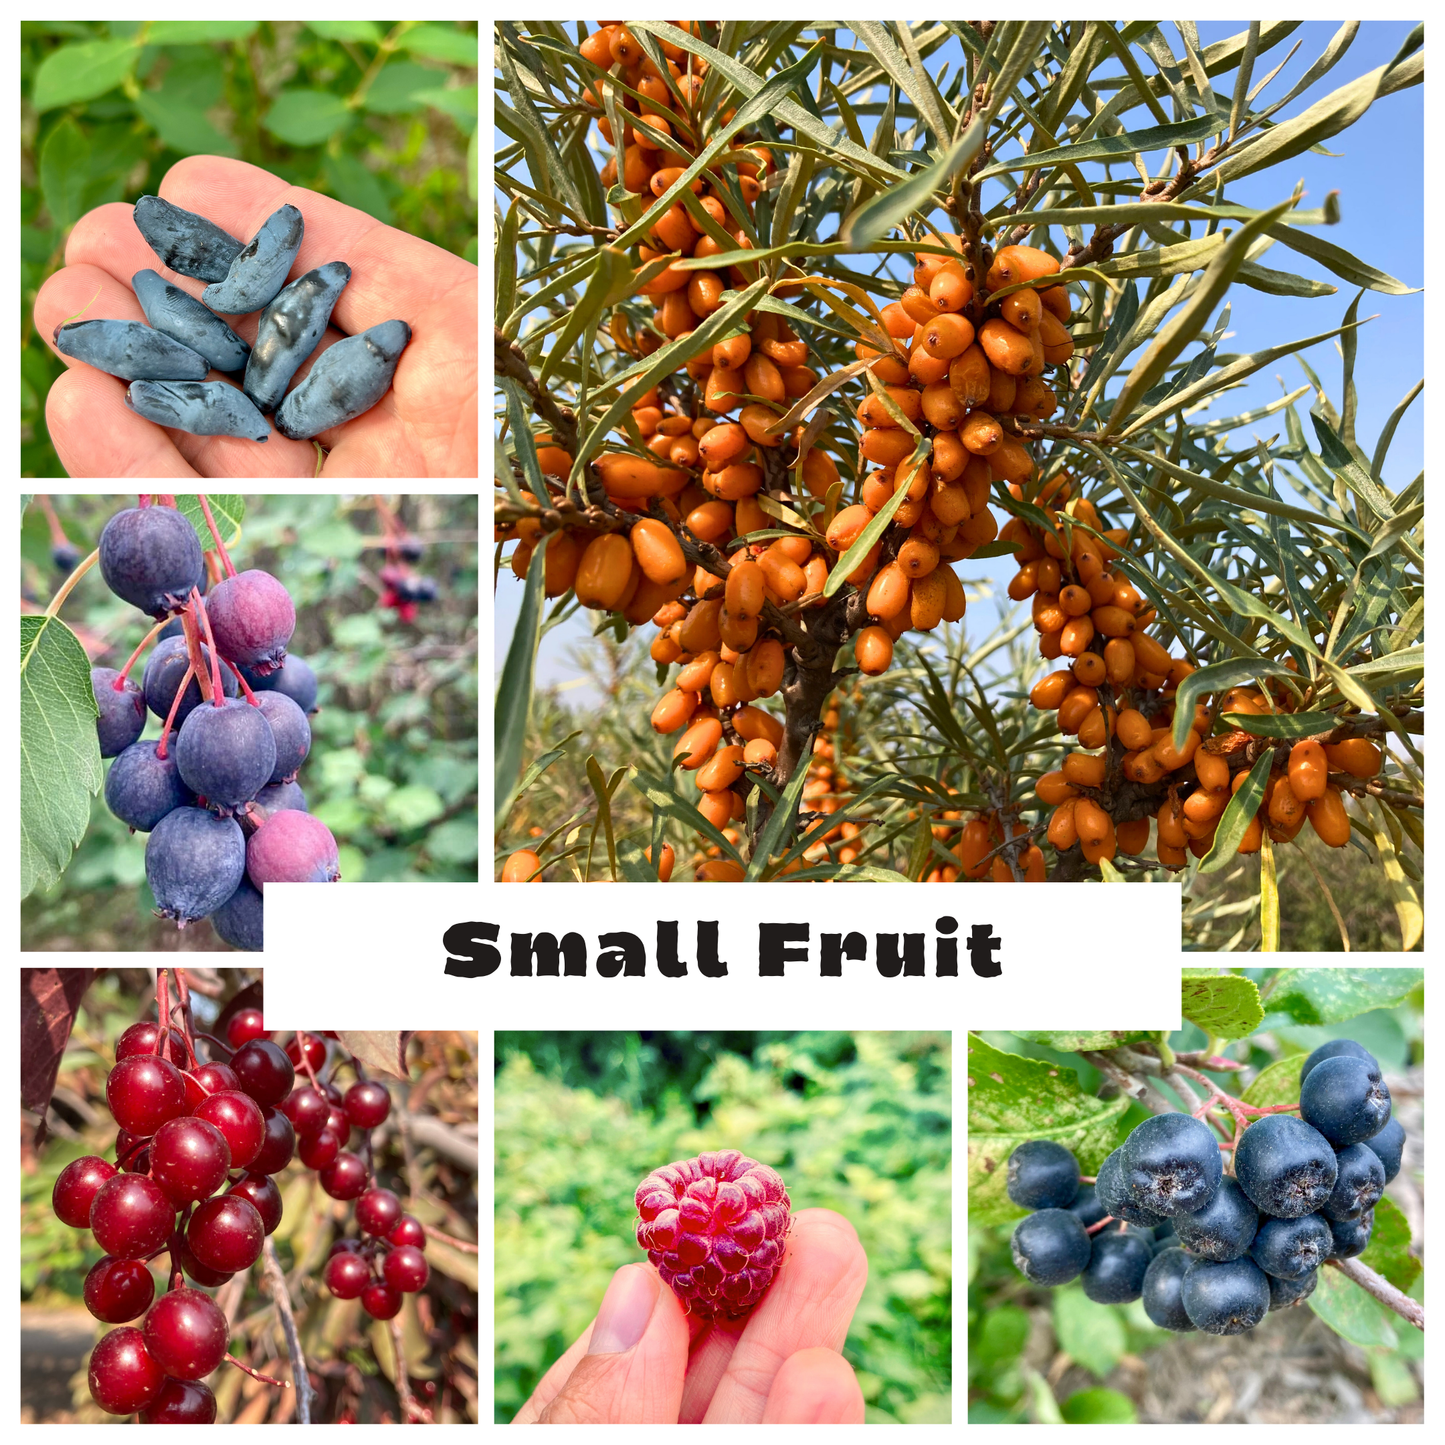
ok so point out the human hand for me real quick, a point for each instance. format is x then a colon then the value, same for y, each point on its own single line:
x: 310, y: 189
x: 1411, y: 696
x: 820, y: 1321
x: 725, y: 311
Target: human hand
x: 425, y: 425
x: 643, y: 1361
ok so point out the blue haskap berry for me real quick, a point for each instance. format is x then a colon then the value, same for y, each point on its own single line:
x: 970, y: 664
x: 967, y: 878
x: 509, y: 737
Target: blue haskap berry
x: 186, y: 242
x: 1359, y: 1183
x: 1388, y: 1146
x: 1286, y: 1167
x: 1223, y: 1229
x: 1087, y: 1207
x: 1286, y: 1292
x: 1163, y: 1290
x: 1227, y: 1298
x: 202, y: 408
x: 345, y: 380
x: 1351, y: 1236
x: 1346, y: 1099
x: 252, y: 618
x: 1335, y: 1049
x: 240, y: 920
x: 130, y: 350
x: 259, y: 270
x: 142, y: 787
x: 1050, y: 1247
x: 184, y: 319
x: 122, y: 710
x: 279, y: 798
x: 1042, y: 1175
x: 151, y: 558
x: 226, y: 754
x: 295, y: 677
x: 1117, y: 1262
x: 1112, y: 1194
x: 1292, y: 1248
x: 194, y: 863
x: 289, y: 329
x: 165, y: 668
x: 290, y: 730
x: 1170, y: 1164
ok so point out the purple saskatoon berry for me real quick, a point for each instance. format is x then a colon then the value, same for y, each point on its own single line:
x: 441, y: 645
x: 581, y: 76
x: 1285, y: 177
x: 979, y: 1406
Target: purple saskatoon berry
x: 194, y: 862
x: 151, y: 558
x: 252, y: 619
x: 278, y: 798
x: 241, y: 919
x: 165, y: 668
x: 294, y: 677
x: 142, y: 787
x: 291, y: 731
x: 715, y: 1227
x: 227, y: 753
x: 292, y: 847
x: 122, y: 710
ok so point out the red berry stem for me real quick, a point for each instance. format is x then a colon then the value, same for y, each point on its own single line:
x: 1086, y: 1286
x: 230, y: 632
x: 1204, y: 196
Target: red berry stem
x: 256, y: 1374
x: 131, y: 661
x: 218, y: 693
x: 220, y: 545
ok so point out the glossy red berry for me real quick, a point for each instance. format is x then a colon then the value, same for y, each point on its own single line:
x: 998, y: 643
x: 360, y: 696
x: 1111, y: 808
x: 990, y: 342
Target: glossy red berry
x: 367, y: 1104
x: 131, y: 1216
x: 123, y: 1377
x: 319, y: 1151
x: 189, y: 1159
x: 181, y: 1402
x: 345, y: 1179
x: 338, y: 1123
x: 194, y: 1269
x: 347, y: 1275
x: 209, y: 1079
x: 264, y: 1070
x: 406, y: 1269
x: 141, y: 1039
x: 143, y: 1092
x: 315, y: 1051
x: 307, y: 1110
x: 186, y: 1334
x: 117, y: 1290
x: 76, y: 1187
x: 244, y: 1025
x: 408, y: 1230
x: 242, y: 1124
x: 381, y: 1301
x: 280, y: 1145
x: 226, y: 1233
x: 377, y: 1211
x: 261, y: 1190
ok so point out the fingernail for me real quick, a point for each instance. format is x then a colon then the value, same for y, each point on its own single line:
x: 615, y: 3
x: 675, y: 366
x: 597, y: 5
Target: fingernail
x: 626, y: 1309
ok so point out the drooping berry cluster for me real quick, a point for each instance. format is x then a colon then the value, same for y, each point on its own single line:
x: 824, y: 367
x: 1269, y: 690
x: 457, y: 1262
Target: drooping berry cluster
x: 1204, y: 1249
x: 217, y: 791
x: 197, y: 1147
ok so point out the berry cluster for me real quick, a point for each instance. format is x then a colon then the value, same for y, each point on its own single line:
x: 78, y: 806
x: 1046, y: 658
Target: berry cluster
x: 1203, y: 1249
x: 217, y: 791
x: 197, y: 1147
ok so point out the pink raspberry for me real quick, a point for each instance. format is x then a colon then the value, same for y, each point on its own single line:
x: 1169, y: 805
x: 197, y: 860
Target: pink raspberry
x: 715, y: 1227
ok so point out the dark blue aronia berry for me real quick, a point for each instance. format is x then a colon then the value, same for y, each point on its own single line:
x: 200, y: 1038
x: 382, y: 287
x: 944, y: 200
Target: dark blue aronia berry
x: 1227, y: 1298
x: 240, y: 920
x: 1165, y: 1236
x: 1087, y: 1207
x: 1358, y: 1185
x: 1050, y: 1247
x: 165, y: 668
x: 142, y: 787
x: 291, y: 731
x: 1292, y: 1248
x: 1388, y: 1147
x: 122, y: 711
x: 1346, y: 1099
x: 279, y: 798
x: 1351, y: 1236
x: 1170, y: 1164
x: 226, y: 754
x: 1223, y: 1229
x: 1286, y: 1292
x: 1117, y: 1263
x: 151, y: 558
x: 1109, y: 1187
x: 295, y: 677
x: 1285, y: 1166
x: 1042, y: 1175
x: 1335, y: 1049
x: 194, y: 863
x: 1163, y: 1290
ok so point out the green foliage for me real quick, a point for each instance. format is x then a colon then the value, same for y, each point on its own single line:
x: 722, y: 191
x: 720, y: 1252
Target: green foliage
x: 859, y: 1123
x: 393, y: 765
x: 382, y: 119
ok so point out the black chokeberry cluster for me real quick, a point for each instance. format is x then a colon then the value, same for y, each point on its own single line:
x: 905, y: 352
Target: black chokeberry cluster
x: 217, y: 791
x: 1206, y: 1250
x: 192, y: 1187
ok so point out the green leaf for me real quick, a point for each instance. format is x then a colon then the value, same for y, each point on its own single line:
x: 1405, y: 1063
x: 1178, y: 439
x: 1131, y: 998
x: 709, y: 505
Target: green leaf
x: 513, y: 712
x: 351, y: 181
x: 306, y: 117
x: 183, y: 127
x: 394, y: 91
x: 198, y: 32
x: 64, y: 166
x: 82, y: 72
x: 459, y: 101
x: 365, y: 32
x: 442, y: 42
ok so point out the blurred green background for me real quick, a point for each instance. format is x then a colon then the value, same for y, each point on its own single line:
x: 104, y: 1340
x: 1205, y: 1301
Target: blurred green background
x: 856, y: 1122
x: 393, y: 764
x: 381, y: 115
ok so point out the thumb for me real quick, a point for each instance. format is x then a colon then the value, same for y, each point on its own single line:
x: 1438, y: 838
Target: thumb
x: 636, y: 1357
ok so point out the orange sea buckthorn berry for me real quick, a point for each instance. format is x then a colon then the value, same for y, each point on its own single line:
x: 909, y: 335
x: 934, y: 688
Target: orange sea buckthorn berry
x: 1149, y: 656
x: 744, y: 592
x: 1171, y: 758
x: 523, y: 866
x: 1056, y: 299
x: 973, y: 847
x: 1212, y: 770
x: 720, y: 870
x: 926, y: 601
x: 917, y: 557
x: 948, y: 335
x: 766, y: 663
x: 1285, y: 809
x: 1054, y: 788
x: 1329, y: 819
x: 1089, y: 668
x: 1132, y: 837
x: 695, y: 674
x: 699, y: 630
x: 969, y: 376
x: 1309, y: 770
x: 874, y: 650
x: 1022, y: 310
x: 658, y: 552
x: 1049, y: 692
x: 1357, y: 756
x: 1084, y: 770
x: 1076, y: 707
x: 918, y: 305
x: 950, y: 289
x: 1012, y: 264
x: 604, y: 571
x: 721, y: 771
x: 1058, y: 344
x: 698, y: 743
x: 672, y: 710
x: 1007, y: 348
x: 1063, y: 831
x: 1075, y: 636
x: 888, y: 592
x: 1119, y: 661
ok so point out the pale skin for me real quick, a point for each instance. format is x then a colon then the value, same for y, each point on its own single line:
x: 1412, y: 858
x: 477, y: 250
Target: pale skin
x: 425, y: 425
x: 643, y: 1360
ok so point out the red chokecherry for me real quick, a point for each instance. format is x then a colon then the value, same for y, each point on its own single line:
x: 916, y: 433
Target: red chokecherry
x: 279, y: 1146
x: 367, y: 1104
x: 243, y: 1026
x: 189, y: 1159
x: 186, y: 1334
x: 315, y: 1051
x: 406, y: 1269
x: 76, y: 1187
x: 226, y: 1233
x: 380, y: 1301
x: 141, y: 1039
x: 307, y: 1110
x: 194, y: 1269
x: 266, y: 1074
x: 131, y: 1216
x: 320, y: 1151
x: 123, y: 1377
x: 209, y: 1079
x: 377, y: 1211
x: 117, y: 1290
x: 181, y: 1402
x: 238, y: 1116
x: 347, y: 1274
x: 261, y: 1190
x: 143, y: 1092
x: 408, y: 1230
x: 345, y: 1179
